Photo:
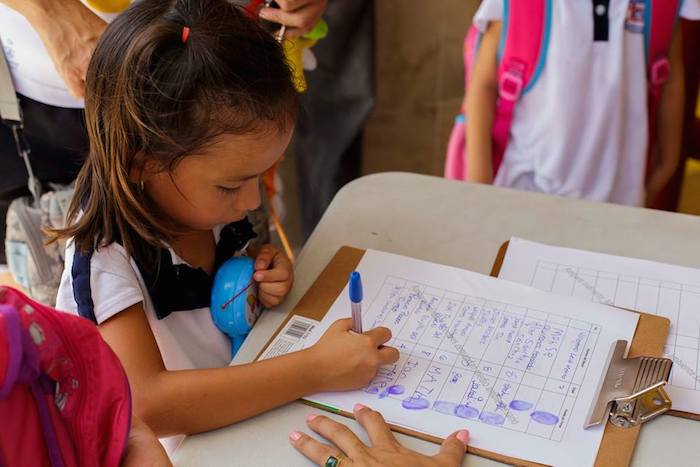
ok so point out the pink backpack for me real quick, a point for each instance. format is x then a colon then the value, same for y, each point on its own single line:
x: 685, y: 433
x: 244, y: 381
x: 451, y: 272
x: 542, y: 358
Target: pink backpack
x: 64, y: 397
x: 522, y: 54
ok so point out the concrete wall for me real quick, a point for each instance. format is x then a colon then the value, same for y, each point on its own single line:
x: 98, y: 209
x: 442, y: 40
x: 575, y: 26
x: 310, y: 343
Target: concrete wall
x: 419, y: 74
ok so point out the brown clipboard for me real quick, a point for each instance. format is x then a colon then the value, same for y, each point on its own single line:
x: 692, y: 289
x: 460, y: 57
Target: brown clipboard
x: 617, y: 445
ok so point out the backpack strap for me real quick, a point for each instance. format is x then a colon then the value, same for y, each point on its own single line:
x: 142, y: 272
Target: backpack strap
x: 10, y: 357
x: 10, y: 110
x: 11, y: 115
x: 472, y: 41
x: 455, y: 158
x: 659, y: 22
x: 522, y: 51
x: 41, y: 389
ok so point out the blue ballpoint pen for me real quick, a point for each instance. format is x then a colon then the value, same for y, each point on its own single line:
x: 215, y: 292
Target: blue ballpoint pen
x: 356, y: 301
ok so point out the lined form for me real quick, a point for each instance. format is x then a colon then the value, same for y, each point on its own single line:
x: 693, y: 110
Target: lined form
x: 656, y: 288
x: 518, y: 367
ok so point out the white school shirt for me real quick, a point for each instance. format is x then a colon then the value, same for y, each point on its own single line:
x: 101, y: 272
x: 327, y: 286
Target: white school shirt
x: 581, y: 131
x: 186, y: 339
x: 32, y: 69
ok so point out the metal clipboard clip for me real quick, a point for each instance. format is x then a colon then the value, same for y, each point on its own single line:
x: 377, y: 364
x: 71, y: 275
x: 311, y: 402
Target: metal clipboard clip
x: 632, y: 391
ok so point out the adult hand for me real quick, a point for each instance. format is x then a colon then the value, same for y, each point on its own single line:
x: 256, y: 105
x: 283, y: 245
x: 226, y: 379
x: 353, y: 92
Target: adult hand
x: 69, y: 31
x: 385, y: 450
x: 299, y: 16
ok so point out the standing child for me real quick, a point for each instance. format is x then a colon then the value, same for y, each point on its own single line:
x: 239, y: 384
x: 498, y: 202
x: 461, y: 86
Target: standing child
x: 188, y: 102
x: 581, y: 128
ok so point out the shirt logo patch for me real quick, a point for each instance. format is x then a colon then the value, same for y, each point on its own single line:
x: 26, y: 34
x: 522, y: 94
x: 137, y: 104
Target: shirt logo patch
x: 634, y: 19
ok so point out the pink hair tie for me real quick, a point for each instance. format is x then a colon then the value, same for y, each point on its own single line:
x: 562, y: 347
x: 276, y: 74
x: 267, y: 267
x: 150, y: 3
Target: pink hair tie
x: 185, y: 34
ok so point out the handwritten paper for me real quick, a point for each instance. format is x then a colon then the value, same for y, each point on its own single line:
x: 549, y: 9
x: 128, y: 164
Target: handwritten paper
x: 651, y: 287
x: 516, y: 366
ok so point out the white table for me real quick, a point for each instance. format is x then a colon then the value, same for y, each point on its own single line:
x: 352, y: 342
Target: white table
x: 462, y: 225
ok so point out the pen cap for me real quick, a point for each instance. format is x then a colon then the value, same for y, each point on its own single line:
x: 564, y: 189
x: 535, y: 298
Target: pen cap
x: 355, y: 287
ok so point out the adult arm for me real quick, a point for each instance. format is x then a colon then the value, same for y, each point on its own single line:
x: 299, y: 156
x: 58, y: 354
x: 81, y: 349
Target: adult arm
x: 69, y: 31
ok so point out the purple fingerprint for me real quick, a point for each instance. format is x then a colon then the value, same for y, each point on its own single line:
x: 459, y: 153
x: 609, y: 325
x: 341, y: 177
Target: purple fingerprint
x: 372, y: 390
x: 445, y: 407
x: 415, y: 403
x: 396, y: 389
x: 520, y: 405
x: 465, y: 411
x: 492, y: 418
x: 544, y: 418
x: 383, y: 394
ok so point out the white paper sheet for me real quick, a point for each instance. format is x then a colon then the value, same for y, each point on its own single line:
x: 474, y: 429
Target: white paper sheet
x: 648, y: 286
x: 516, y: 366
x: 657, y: 288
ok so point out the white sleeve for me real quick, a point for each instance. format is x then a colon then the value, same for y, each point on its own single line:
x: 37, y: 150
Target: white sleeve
x: 64, y: 297
x: 114, y: 283
x: 691, y: 10
x: 489, y: 10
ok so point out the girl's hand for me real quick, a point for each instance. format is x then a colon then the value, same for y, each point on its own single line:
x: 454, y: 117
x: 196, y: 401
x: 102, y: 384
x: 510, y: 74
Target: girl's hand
x: 386, y: 451
x: 346, y: 360
x: 274, y: 274
x: 300, y: 16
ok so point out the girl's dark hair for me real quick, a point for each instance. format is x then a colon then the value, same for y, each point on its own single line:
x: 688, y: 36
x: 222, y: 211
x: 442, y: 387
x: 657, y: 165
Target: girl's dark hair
x: 150, y: 92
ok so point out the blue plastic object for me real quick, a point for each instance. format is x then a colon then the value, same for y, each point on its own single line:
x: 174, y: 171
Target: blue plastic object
x: 234, y: 300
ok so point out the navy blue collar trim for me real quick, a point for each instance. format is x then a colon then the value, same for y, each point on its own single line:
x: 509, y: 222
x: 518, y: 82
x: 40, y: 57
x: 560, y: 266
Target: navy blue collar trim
x: 179, y: 287
x: 172, y: 287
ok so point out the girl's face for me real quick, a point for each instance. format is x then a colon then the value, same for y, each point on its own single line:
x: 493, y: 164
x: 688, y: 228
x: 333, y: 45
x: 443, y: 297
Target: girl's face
x: 220, y: 184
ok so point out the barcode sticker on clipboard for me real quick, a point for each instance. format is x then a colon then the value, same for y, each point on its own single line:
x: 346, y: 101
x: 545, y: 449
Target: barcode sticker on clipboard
x: 291, y: 338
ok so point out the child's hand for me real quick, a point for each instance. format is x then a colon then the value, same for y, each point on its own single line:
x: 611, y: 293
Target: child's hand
x: 347, y: 360
x: 274, y: 274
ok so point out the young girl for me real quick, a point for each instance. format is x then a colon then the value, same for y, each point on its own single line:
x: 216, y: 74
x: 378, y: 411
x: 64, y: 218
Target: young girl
x: 188, y: 102
x: 581, y: 131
